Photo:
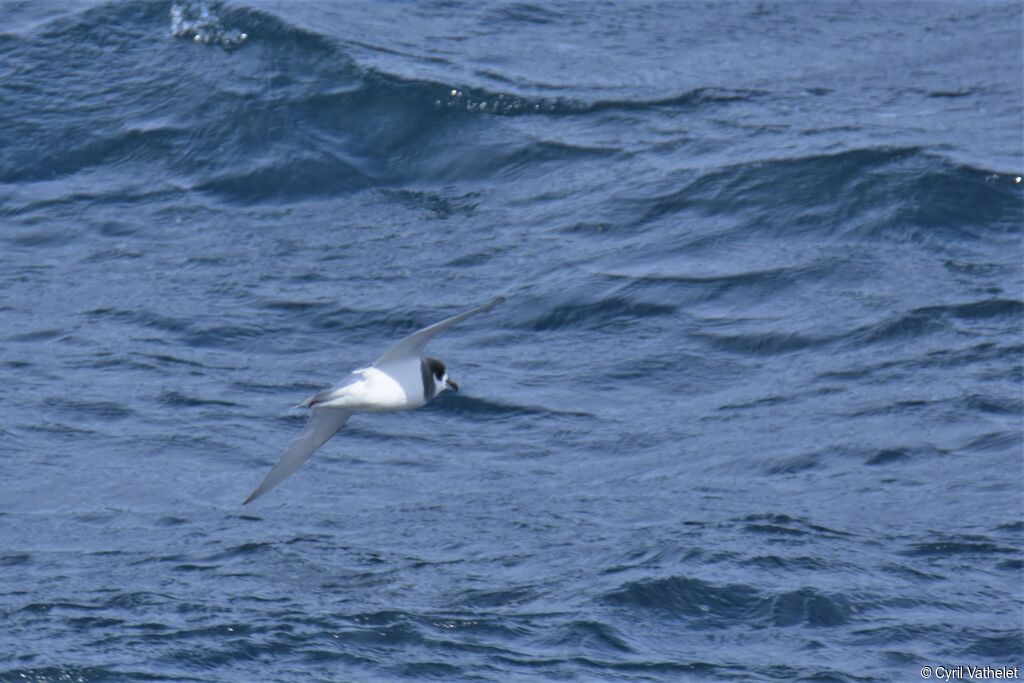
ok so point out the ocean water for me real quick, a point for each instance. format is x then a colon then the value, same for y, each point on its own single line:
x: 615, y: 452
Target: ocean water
x: 753, y: 410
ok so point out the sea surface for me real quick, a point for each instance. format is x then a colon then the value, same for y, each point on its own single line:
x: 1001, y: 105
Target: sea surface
x: 752, y: 411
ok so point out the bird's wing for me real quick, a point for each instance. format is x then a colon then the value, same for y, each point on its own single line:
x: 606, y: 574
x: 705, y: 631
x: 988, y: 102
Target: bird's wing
x: 413, y: 345
x: 320, y: 426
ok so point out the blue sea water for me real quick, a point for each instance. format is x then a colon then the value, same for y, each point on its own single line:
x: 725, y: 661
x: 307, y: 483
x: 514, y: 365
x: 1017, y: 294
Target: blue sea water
x: 753, y: 410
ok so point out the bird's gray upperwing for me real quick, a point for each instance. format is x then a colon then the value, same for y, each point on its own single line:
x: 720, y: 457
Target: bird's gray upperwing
x: 413, y: 345
x: 320, y: 426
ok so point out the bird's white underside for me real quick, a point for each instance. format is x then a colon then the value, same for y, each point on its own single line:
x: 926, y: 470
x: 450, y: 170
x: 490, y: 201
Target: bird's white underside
x: 398, y: 386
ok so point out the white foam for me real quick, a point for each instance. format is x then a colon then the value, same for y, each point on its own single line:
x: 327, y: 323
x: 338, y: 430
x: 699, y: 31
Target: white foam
x: 197, y: 21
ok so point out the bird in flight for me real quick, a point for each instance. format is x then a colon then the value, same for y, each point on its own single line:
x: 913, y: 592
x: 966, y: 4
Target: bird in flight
x: 401, y: 379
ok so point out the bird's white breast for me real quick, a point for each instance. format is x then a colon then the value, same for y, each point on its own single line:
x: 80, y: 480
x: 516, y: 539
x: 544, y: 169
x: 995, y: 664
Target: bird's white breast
x: 399, y: 386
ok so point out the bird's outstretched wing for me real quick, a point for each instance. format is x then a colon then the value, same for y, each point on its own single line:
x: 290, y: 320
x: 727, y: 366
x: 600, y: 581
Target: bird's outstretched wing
x: 413, y: 345
x: 320, y: 426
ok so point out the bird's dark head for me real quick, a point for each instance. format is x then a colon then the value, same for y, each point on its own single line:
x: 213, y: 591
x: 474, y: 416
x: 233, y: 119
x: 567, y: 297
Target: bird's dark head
x: 440, y: 373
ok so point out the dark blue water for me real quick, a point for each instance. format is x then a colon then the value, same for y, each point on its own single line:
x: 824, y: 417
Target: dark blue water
x: 752, y: 412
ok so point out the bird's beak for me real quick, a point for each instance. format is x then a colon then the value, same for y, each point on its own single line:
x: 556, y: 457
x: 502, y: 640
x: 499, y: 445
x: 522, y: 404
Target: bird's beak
x: 452, y: 384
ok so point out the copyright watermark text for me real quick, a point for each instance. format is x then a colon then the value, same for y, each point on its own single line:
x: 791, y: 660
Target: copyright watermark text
x: 971, y: 673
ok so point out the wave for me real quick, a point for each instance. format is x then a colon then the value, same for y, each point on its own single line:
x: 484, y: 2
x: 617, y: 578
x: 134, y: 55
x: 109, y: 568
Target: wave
x: 286, y: 114
x: 191, y: 332
x: 106, y: 410
x: 484, y: 409
x: 176, y: 399
x: 919, y: 322
x: 281, y: 114
x: 83, y: 674
x: 902, y: 194
x: 596, y: 314
x: 710, y: 605
x: 954, y: 545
